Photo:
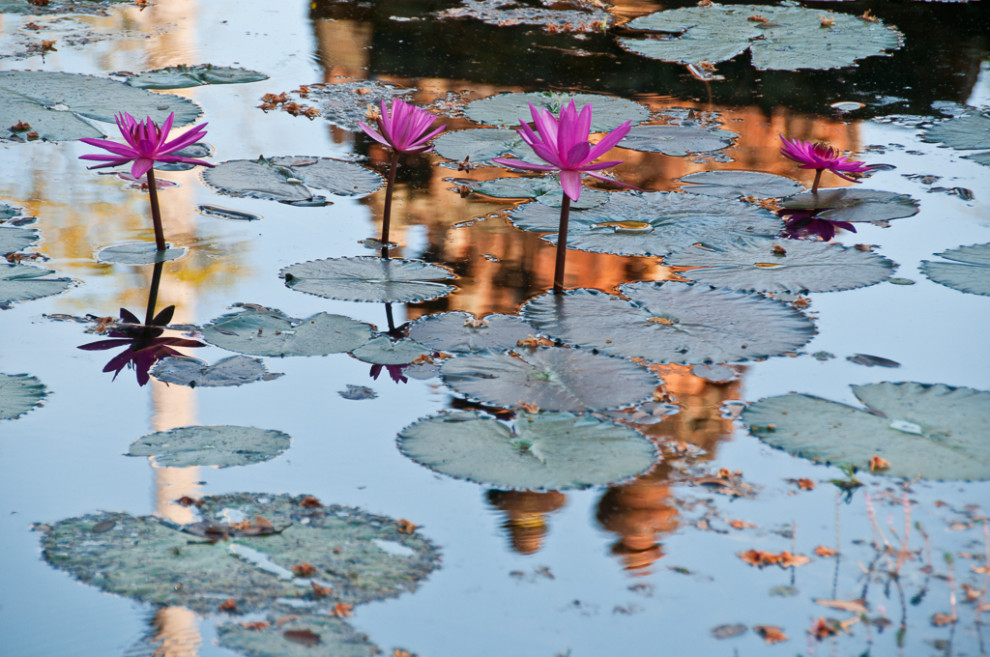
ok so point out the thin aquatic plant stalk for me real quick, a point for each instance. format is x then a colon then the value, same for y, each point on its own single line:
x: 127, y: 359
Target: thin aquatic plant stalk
x: 156, y: 213
x: 388, y: 202
x: 558, y: 270
x: 818, y: 179
x: 156, y: 280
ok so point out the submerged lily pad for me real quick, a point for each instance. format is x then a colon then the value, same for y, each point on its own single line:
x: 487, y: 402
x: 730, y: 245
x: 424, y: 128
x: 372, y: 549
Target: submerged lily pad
x: 138, y: 253
x: 195, y: 373
x: 14, y: 239
x: 677, y: 140
x: 23, y: 283
x: 763, y: 264
x: 461, y: 333
x: 671, y: 322
x: 541, y: 451
x: 854, y: 204
x: 545, y: 189
x: 182, y: 76
x: 292, y: 178
x: 736, y: 184
x: 969, y: 271
x: 55, y: 104
x: 777, y: 37
x: 932, y: 431
x: 607, y: 112
x: 268, y: 332
x: 964, y: 133
x: 219, y: 445
x: 384, y: 351
x: 651, y: 223
x: 297, y: 636
x: 480, y: 145
x: 369, y: 279
x: 550, y: 378
x: 359, y: 556
x: 19, y: 393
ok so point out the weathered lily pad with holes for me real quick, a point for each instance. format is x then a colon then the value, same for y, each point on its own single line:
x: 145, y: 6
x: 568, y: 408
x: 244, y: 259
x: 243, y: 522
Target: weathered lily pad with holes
x: 292, y: 178
x: 782, y: 38
x: 384, y: 351
x: 932, y: 431
x: 297, y: 636
x: 964, y: 133
x: 461, y: 333
x: 55, y: 104
x: 504, y: 13
x: 360, y: 556
x: 854, y: 204
x: 541, y: 451
x: 14, y: 239
x: 138, y: 253
x: 735, y: 184
x: 369, y: 279
x: 182, y: 76
x: 969, y: 271
x: 764, y: 264
x: 672, y: 323
x: 269, y: 332
x: 651, y: 223
x: 545, y: 189
x: 218, y: 445
x: 345, y: 103
x: 23, y: 283
x: 550, y: 378
x: 607, y: 112
x: 480, y: 145
x: 19, y: 393
x: 677, y: 140
x: 195, y: 373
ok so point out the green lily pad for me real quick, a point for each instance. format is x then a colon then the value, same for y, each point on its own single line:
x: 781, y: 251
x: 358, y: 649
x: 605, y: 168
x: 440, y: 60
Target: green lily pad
x: 541, y: 451
x: 384, y: 351
x: 461, y: 333
x: 182, y: 76
x: 369, y: 279
x: 854, y: 204
x: 138, y: 253
x: 19, y: 393
x: 480, y: 145
x: 15, y: 239
x: 551, y: 378
x: 964, y: 133
x: 790, y: 38
x: 292, y: 178
x: 195, y: 373
x: 14, y: 216
x: 55, y: 104
x: 23, y: 283
x: 677, y: 140
x: 220, y: 445
x: 545, y: 189
x: 267, y: 332
x: 969, y: 271
x: 670, y: 322
x: 504, y: 13
x: 736, y: 184
x: 651, y: 223
x: 763, y: 264
x: 360, y: 556
x: 607, y: 112
x: 297, y: 636
x: 932, y: 431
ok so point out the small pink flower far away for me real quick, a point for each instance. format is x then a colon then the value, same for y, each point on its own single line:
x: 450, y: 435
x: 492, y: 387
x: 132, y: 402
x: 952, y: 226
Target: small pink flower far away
x: 563, y: 144
x: 811, y: 155
x: 146, y: 144
x: 404, y: 129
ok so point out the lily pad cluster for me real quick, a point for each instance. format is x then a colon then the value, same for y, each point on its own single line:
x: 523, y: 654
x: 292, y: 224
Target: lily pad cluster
x: 506, y: 110
x: 268, y: 332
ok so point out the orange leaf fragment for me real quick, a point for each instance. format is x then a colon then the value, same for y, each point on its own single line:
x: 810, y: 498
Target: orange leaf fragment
x: 740, y: 524
x: 398, y: 652
x: 256, y: 625
x: 310, y: 502
x: 878, y: 464
x: 303, y: 637
x: 228, y: 605
x: 938, y: 620
x: 286, y: 619
x: 770, y: 633
x: 805, y: 484
x: 406, y: 527
x: 827, y: 21
x: 822, y: 551
x: 531, y: 341
x: 822, y: 629
x: 304, y: 570
x: 320, y: 591
x: 342, y: 610
x: 785, y: 559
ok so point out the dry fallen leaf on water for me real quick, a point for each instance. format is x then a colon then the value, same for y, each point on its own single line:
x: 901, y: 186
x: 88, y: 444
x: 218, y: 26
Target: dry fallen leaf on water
x: 228, y: 605
x: 304, y: 570
x: 320, y: 591
x: 938, y: 620
x: 740, y: 524
x: 822, y: 629
x: 852, y: 606
x: 528, y: 407
x: 805, y: 484
x: 822, y: 551
x: 770, y: 633
x: 785, y: 559
x: 256, y: 625
x: 401, y: 653
x: 302, y: 637
x: 532, y: 341
x: 878, y: 464
x: 310, y: 502
x: 406, y: 527
x: 286, y: 619
x: 342, y: 610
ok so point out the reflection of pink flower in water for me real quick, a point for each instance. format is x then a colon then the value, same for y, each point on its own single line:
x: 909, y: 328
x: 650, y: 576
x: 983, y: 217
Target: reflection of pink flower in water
x: 803, y: 224
x: 394, y: 371
x: 817, y: 156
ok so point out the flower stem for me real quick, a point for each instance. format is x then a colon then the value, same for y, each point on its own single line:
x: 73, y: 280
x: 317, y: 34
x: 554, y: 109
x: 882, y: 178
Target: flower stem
x: 156, y: 280
x: 388, y: 202
x: 558, y: 270
x: 156, y: 213
x: 818, y: 179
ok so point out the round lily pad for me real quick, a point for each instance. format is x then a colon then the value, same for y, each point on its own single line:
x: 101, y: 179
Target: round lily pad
x: 292, y: 178
x: 269, y: 332
x: 19, y: 393
x: 550, y: 378
x: 968, y: 132
x: 763, y: 264
x: 384, y: 351
x: 735, y: 184
x: 23, y: 283
x: 969, y: 271
x: 297, y: 635
x: 784, y: 38
x: 15, y: 239
x: 651, y: 223
x: 607, y: 112
x: 461, y: 333
x: 54, y: 104
x: 545, y: 189
x: 249, y: 560
x: 182, y: 76
x: 671, y: 322
x: 480, y: 145
x: 369, y: 279
x: 219, y: 445
x: 138, y: 253
x: 677, y: 140
x: 932, y: 431
x: 195, y: 373
x: 854, y: 204
x: 542, y: 451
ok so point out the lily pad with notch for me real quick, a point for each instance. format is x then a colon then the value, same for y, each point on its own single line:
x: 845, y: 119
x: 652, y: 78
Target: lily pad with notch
x: 550, y: 378
x: 933, y: 431
x: 261, y: 331
x: 14, y: 239
x: 366, y: 278
x: 965, y: 133
x: 670, y: 322
x: 539, y: 451
x: 480, y: 145
x: 297, y: 635
x: 183, y: 76
x: 608, y: 112
x: 736, y: 184
x: 460, y: 333
x: 24, y: 283
x: 382, y: 350
x: 545, y: 189
x: 968, y: 272
x: 195, y: 373
x: 854, y: 204
x: 222, y: 446
x: 677, y: 140
x: 19, y: 393
x: 292, y: 179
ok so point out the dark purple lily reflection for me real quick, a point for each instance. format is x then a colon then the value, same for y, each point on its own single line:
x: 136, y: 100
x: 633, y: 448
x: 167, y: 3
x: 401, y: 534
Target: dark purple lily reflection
x: 394, y: 371
x: 806, y: 224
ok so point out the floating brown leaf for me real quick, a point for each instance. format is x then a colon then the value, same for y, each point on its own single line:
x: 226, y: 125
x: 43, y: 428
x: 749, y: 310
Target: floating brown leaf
x: 303, y: 637
x: 770, y: 633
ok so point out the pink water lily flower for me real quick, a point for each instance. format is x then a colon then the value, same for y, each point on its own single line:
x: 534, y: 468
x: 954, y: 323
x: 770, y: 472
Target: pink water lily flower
x: 146, y: 144
x: 404, y: 129
x: 817, y: 156
x: 563, y: 144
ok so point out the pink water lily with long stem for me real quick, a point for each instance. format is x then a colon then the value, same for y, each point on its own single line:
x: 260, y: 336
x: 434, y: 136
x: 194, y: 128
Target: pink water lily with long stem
x: 562, y: 142
x: 147, y: 143
x: 822, y: 157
